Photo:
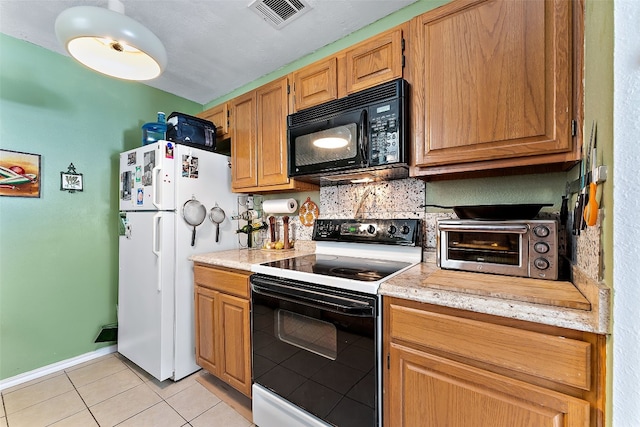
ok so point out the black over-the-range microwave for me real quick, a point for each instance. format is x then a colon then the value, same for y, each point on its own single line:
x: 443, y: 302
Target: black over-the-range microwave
x: 359, y: 138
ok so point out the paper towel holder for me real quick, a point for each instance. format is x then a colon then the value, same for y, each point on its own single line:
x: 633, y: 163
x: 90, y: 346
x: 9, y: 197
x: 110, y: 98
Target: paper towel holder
x: 280, y: 206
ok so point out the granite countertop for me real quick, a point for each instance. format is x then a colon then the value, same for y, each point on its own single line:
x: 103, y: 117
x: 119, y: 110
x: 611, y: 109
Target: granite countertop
x: 242, y: 259
x: 582, y: 305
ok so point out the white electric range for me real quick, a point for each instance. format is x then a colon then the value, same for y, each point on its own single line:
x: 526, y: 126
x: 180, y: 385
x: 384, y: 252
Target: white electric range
x: 316, y: 324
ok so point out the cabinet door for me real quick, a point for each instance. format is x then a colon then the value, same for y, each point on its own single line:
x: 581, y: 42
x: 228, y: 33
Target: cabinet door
x: 206, y: 325
x: 235, y: 366
x: 272, y: 133
x: 219, y: 116
x: 377, y: 60
x: 492, y: 81
x: 244, y: 171
x: 427, y: 390
x: 315, y: 84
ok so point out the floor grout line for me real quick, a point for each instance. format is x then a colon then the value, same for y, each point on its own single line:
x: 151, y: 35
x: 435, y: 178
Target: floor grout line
x: 81, y: 398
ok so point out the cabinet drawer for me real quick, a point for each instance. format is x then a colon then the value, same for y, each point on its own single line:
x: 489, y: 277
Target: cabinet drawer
x: 562, y: 360
x: 229, y: 282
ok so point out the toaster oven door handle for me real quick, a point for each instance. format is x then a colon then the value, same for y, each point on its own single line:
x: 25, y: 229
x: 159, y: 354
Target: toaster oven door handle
x: 520, y: 229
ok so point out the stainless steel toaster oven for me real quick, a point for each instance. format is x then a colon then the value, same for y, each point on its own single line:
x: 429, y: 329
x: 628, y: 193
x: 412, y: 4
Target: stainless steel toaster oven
x: 514, y: 248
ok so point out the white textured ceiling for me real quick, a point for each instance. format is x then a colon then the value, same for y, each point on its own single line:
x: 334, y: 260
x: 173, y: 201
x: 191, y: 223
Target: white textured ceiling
x: 213, y: 46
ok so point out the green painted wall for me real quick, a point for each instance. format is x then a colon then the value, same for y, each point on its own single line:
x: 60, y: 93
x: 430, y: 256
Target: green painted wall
x: 598, y: 107
x: 58, y: 253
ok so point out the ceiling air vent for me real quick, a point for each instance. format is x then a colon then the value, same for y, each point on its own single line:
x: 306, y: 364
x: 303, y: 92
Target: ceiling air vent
x: 279, y: 13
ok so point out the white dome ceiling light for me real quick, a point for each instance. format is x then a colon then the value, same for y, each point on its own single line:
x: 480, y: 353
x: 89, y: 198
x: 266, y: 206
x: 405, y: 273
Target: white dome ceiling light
x: 110, y: 42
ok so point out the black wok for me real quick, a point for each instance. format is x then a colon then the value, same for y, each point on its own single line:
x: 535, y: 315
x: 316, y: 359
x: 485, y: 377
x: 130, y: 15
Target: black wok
x: 496, y: 212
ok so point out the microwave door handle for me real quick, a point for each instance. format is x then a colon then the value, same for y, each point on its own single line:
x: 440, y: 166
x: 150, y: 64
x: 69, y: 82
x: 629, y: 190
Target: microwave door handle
x: 520, y: 229
x: 364, y: 136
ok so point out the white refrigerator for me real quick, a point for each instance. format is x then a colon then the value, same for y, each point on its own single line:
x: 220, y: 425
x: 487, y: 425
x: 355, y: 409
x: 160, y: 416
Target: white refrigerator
x: 155, y: 280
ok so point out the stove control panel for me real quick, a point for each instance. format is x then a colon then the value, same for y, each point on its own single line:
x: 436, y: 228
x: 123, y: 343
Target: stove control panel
x: 382, y: 231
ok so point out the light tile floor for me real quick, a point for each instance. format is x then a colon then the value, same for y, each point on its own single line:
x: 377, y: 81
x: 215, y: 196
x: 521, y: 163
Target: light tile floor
x: 111, y: 391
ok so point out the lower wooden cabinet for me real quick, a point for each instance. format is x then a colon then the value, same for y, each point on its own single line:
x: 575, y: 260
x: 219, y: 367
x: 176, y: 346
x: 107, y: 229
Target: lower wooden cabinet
x: 448, y: 367
x: 223, y: 344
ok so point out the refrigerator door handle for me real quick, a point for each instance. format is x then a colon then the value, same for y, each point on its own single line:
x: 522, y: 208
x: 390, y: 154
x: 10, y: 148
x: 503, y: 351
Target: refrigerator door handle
x: 157, y: 218
x: 155, y: 173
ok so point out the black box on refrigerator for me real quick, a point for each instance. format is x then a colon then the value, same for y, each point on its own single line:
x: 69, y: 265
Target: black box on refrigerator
x: 192, y: 131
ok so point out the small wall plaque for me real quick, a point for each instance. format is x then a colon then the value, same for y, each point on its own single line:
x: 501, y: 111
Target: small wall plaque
x: 70, y: 180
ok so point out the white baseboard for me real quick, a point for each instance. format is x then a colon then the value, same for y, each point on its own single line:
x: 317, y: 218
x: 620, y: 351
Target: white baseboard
x: 54, y: 367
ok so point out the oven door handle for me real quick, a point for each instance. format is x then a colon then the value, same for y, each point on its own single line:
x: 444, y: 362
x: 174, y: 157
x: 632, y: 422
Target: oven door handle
x: 332, y: 303
x: 520, y: 229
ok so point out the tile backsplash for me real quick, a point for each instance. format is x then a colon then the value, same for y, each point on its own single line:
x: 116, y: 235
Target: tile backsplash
x: 401, y: 198
x: 405, y: 198
x: 585, y: 250
x: 387, y: 199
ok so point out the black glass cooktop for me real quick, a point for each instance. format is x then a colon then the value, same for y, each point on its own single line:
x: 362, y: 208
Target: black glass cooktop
x: 361, y: 269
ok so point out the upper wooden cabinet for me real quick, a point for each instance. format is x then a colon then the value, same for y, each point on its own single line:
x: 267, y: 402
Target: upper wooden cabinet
x: 219, y: 115
x: 492, y: 86
x: 315, y: 84
x: 259, y: 141
x: 376, y: 60
x: 244, y: 169
x: 272, y: 103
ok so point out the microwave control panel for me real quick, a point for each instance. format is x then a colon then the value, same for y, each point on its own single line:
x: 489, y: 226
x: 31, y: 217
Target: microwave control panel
x: 385, y: 133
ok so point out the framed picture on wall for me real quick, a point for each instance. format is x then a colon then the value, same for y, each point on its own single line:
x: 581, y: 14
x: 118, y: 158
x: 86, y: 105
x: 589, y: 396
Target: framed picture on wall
x: 71, y: 182
x: 19, y: 174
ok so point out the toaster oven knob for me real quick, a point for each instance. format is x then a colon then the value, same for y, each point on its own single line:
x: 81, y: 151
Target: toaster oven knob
x: 392, y: 229
x: 405, y: 229
x: 371, y: 229
x: 541, y: 248
x: 541, y: 264
x: 541, y: 231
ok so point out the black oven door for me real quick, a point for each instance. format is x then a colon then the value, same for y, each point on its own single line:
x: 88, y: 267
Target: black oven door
x: 328, y: 145
x: 316, y: 348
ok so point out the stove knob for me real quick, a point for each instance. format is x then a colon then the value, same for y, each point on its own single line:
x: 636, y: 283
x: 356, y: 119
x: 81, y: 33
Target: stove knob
x: 371, y: 229
x: 541, y: 231
x: 392, y: 229
x: 541, y: 264
x: 541, y: 247
x: 405, y: 229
